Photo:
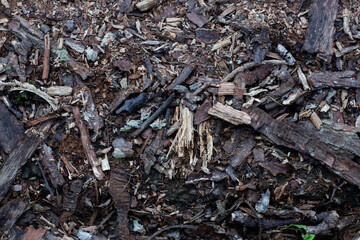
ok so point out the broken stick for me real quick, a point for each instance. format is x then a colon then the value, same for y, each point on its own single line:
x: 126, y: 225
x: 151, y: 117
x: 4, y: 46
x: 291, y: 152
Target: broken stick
x: 45, y: 73
x: 87, y: 146
x: 249, y: 65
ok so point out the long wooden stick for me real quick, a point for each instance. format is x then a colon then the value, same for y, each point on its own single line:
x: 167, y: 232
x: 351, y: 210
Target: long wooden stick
x: 45, y: 73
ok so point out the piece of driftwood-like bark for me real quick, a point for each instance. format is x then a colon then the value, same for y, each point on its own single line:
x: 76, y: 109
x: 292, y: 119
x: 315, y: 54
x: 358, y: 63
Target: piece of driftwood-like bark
x: 229, y: 114
x: 50, y: 164
x: 16, y: 159
x: 321, y: 28
x: 10, y: 213
x: 10, y: 129
x: 146, y: 5
x: 87, y: 146
x: 119, y: 191
x: 295, y: 137
x: 249, y: 65
x: 344, y: 79
x: 185, y: 73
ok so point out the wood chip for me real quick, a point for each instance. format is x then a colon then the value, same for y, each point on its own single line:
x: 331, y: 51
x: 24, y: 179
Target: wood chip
x: 229, y: 114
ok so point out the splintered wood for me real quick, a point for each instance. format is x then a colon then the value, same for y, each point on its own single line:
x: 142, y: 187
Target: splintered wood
x: 184, y: 138
x: 206, y: 146
x: 87, y: 146
x: 229, y: 114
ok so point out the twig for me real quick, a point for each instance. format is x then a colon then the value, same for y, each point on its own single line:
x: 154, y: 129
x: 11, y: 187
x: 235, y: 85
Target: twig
x: 45, y: 73
x: 47, y: 186
x: 333, y: 194
x: 87, y: 147
x: 257, y: 217
x: 143, y: 146
x: 192, y: 227
x: 249, y: 65
x: 182, y: 77
x: 154, y: 116
x: 41, y: 119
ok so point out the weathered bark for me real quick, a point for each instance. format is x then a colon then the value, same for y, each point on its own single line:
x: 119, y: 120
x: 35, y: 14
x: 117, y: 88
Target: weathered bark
x: 292, y: 136
x: 321, y: 27
x: 344, y: 79
x: 17, y: 158
x: 120, y: 194
x: 10, y: 129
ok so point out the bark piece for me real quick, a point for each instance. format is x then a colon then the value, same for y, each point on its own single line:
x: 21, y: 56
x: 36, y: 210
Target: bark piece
x: 87, y: 146
x: 34, y: 234
x: 297, y: 138
x: 10, y: 213
x: 229, y: 114
x: 18, y: 157
x: 146, y: 5
x: 197, y: 19
x: 344, y: 79
x: 201, y: 113
x: 262, y: 46
x: 276, y: 168
x: 182, y: 77
x: 10, y: 129
x: 59, y: 91
x: 120, y: 194
x: 242, y: 152
x: 208, y: 35
x: 321, y: 28
x: 41, y: 119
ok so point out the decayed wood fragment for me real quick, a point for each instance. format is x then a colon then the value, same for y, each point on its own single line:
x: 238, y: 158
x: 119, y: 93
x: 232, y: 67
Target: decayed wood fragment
x: 295, y: 137
x: 321, y: 27
x: 120, y: 194
x: 344, y: 79
x: 10, y: 213
x: 87, y: 146
x: 10, y: 129
x: 229, y: 114
x: 16, y: 159
x: 50, y: 164
x: 146, y: 5
x: 242, y: 152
